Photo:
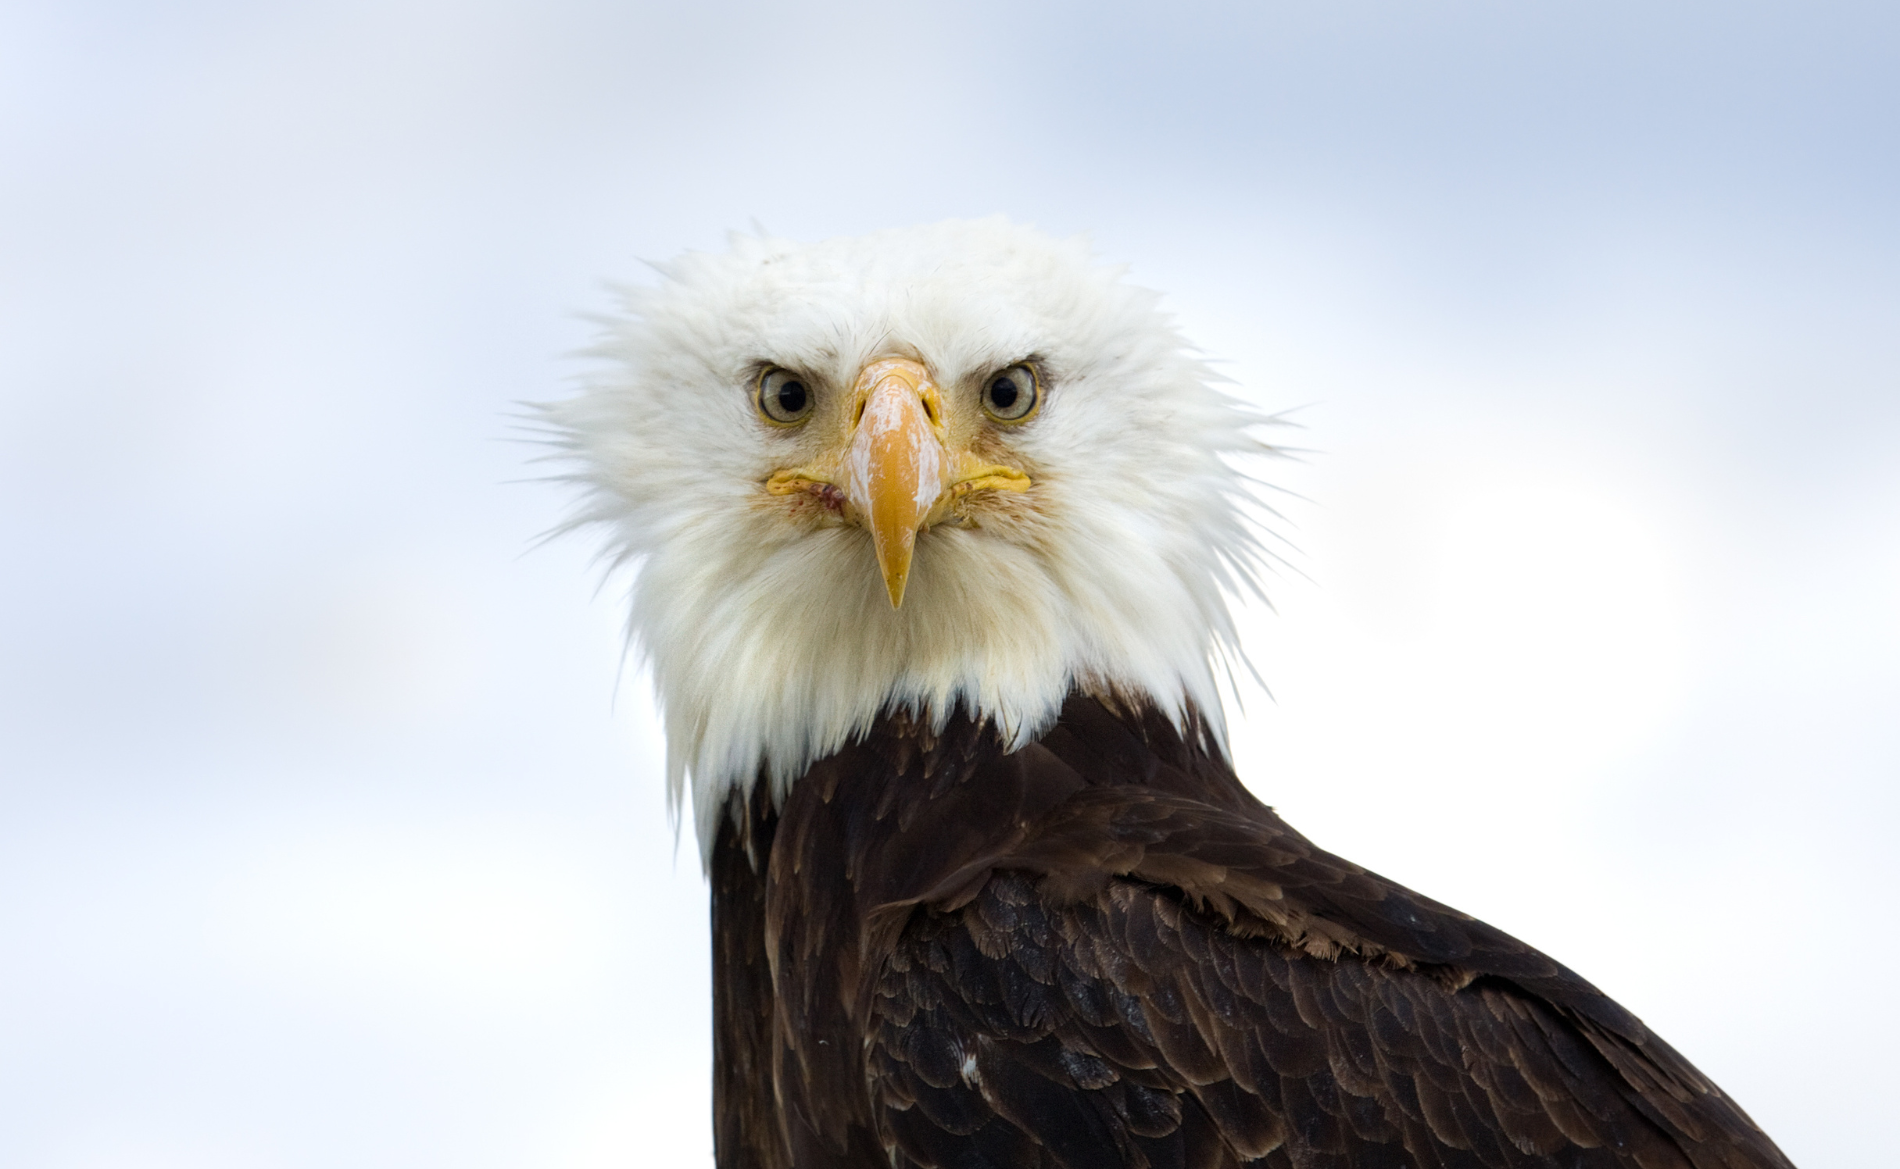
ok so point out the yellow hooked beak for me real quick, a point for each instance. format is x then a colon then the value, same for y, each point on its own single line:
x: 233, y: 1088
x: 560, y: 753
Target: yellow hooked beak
x: 895, y: 467
x: 895, y: 472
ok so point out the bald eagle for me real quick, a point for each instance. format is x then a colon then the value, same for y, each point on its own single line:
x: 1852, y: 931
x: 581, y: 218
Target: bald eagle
x: 935, y: 533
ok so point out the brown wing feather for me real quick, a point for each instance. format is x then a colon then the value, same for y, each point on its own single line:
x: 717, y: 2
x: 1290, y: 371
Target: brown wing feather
x: 1101, y: 950
x: 1132, y: 1029
x: 745, y: 1121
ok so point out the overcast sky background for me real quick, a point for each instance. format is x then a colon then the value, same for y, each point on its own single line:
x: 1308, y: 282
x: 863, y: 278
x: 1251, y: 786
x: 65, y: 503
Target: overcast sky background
x: 323, y: 839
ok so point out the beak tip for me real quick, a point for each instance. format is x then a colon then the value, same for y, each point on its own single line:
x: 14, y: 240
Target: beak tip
x: 894, y: 545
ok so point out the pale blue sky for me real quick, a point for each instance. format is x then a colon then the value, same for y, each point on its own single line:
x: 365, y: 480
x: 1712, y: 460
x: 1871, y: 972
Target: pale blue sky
x: 323, y: 839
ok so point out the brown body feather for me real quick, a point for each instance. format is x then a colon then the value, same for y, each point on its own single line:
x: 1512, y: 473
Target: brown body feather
x: 1102, y: 950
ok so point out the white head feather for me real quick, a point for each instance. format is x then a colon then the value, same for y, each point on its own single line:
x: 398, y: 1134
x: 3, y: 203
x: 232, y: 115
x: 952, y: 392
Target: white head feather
x: 771, y: 639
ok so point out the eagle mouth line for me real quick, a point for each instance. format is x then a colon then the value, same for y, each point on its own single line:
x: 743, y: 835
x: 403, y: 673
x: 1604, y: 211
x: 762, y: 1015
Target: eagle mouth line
x: 944, y: 509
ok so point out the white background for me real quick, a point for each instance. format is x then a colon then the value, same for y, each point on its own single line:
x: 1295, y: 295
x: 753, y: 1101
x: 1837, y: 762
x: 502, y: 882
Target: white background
x: 323, y: 838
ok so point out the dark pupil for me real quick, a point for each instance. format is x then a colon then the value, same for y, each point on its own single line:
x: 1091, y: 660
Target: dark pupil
x: 791, y: 397
x: 1003, y: 393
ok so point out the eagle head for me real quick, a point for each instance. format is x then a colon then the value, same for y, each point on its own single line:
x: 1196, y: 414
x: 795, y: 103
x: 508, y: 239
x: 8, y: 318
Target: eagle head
x: 960, y: 464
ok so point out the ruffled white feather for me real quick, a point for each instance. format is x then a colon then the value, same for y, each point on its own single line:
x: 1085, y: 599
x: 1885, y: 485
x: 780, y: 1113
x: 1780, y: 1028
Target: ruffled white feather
x: 772, y: 643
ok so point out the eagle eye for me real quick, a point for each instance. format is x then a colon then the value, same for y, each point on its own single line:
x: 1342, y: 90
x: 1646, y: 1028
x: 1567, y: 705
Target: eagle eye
x: 784, y: 399
x: 1011, y: 395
